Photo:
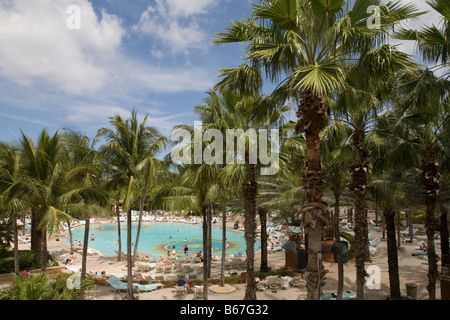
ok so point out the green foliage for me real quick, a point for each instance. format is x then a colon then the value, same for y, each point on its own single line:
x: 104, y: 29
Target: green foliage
x: 26, y: 261
x: 6, y: 235
x: 40, y: 287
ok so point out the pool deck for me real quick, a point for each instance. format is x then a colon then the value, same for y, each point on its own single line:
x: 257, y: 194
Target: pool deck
x: 413, y: 269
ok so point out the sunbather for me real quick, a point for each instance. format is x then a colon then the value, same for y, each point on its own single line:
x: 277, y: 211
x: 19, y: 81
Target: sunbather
x: 422, y: 245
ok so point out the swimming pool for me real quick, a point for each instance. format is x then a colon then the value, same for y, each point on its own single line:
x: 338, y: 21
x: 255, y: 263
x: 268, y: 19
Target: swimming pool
x: 158, y: 237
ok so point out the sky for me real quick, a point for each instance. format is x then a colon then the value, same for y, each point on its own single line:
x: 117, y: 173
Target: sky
x: 155, y: 56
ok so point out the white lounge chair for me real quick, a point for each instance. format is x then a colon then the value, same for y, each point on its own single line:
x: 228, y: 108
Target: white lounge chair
x: 261, y: 286
x: 168, y: 268
x: 159, y: 267
x: 180, y: 290
x: 147, y: 287
x: 187, y: 268
x: 177, y: 265
x: 272, y: 282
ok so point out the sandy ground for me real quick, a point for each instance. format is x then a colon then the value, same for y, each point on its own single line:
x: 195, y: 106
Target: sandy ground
x: 412, y: 270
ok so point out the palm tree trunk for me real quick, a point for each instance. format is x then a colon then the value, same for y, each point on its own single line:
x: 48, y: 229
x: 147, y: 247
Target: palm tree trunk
x: 205, y: 250
x: 16, y: 246
x: 250, y: 190
x: 44, y: 251
x: 392, y: 253
x: 312, y: 113
x: 366, y: 237
x: 85, y: 251
x: 444, y: 235
x: 224, y: 244
x: 127, y: 205
x: 430, y: 180
x: 36, y: 235
x: 24, y: 231
x: 119, y: 236
x: 264, y: 261
x: 399, y: 238
x: 141, y: 209
x: 130, y: 295
x: 70, y: 236
x: 209, y: 240
x: 359, y: 188
x: 337, y: 237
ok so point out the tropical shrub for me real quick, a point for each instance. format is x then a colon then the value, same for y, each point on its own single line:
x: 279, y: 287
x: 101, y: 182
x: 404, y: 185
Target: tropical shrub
x: 40, y: 287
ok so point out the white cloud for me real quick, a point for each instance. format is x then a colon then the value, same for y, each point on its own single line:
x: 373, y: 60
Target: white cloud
x: 94, y: 113
x: 187, y: 8
x: 55, y: 77
x: 172, y: 23
x: 37, y: 46
x: 97, y: 115
x: 172, y: 80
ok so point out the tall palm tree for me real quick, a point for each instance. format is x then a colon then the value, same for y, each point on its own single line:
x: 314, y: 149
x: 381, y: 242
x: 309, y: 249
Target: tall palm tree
x: 9, y: 174
x: 128, y: 149
x: 337, y: 181
x: 444, y: 200
x: 228, y: 110
x: 152, y: 171
x: 305, y: 41
x: 390, y: 197
x: 423, y: 103
x: 91, y: 193
x: 367, y: 94
x: 196, y: 189
x: 434, y: 45
x: 44, y: 184
x: 282, y: 192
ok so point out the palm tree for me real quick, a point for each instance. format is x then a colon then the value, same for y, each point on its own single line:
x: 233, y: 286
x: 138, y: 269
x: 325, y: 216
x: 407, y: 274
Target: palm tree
x: 151, y: 172
x: 9, y: 174
x: 128, y: 149
x: 282, y: 192
x: 116, y: 195
x: 367, y: 94
x: 390, y: 197
x: 306, y: 41
x: 444, y: 160
x: 87, y: 183
x: 337, y: 181
x: 196, y: 189
x: 44, y: 184
x: 423, y: 103
x: 229, y: 110
x: 434, y: 45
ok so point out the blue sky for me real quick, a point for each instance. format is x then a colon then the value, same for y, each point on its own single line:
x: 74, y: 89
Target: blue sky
x: 152, y: 55
x: 155, y: 56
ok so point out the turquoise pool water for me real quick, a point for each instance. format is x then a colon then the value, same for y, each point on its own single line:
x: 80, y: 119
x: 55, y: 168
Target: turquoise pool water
x: 157, y: 237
